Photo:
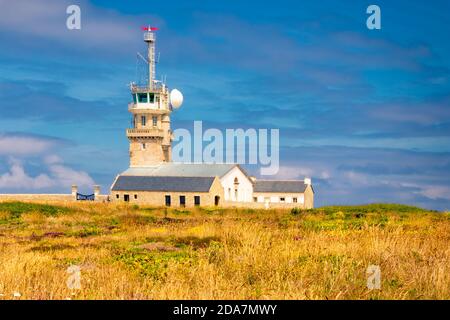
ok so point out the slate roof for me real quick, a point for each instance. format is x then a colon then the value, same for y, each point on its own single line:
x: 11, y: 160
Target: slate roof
x: 181, y: 170
x: 297, y: 186
x: 156, y: 183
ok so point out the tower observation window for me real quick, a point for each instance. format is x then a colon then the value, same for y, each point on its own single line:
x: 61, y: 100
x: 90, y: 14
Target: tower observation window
x: 152, y: 97
x: 142, y: 97
x: 134, y: 98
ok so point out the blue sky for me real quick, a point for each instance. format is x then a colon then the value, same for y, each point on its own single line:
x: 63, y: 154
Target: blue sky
x: 365, y: 113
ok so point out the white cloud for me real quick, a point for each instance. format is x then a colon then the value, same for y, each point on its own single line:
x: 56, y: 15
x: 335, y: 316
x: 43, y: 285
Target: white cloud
x: 436, y: 192
x: 356, y: 178
x: 54, y: 174
x: 291, y: 172
x: 17, y: 178
x: 58, y: 176
x: 47, y: 19
x: 287, y: 172
x: 53, y: 159
x: 24, y: 145
x: 65, y: 176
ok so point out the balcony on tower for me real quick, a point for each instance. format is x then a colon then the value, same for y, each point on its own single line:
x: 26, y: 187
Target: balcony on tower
x: 145, y: 133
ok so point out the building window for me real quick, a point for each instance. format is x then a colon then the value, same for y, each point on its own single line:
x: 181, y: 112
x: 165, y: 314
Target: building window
x: 126, y: 197
x: 282, y: 199
x: 134, y: 98
x: 167, y: 201
x: 152, y: 97
x: 117, y: 196
x: 143, y: 146
x: 135, y: 196
x: 255, y: 199
x: 229, y: 194
x: 197, y: 200
x: 294, y: 200
x: 142, y: 97
x: 143, y: 120
x: 155, y: 121
x: 182, y: 201
x: 236, y: 186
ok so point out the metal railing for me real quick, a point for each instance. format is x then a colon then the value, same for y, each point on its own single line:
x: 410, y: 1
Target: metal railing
x: 157, y: 87
x: 141, y: 132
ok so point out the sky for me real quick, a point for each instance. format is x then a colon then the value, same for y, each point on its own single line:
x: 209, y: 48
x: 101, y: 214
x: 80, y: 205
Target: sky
x: 364, y: 113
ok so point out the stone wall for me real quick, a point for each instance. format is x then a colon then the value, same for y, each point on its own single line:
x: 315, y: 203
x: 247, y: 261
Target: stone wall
x: 158, y: 198
x: 36, y: 197
x: 46, y: 197
x: 304, y: 200
x: 262, y: 205
x: 152, y: 154
x: 309, y: 198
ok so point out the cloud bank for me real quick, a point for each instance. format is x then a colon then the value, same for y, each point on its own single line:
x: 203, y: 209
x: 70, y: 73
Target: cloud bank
x: 50, y: 172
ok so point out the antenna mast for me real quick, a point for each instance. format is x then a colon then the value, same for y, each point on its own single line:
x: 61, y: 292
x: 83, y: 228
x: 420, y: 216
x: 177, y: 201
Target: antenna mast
x: 150, y: 38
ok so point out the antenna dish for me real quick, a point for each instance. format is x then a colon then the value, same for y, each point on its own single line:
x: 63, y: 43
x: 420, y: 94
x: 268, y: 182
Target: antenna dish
x: 176, y: 98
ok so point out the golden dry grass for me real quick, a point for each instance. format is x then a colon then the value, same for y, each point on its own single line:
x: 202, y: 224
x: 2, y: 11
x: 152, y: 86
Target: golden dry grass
x: 127, y: 252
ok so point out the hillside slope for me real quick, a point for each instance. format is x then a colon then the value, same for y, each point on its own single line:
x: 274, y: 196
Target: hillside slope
x: 130, y: 252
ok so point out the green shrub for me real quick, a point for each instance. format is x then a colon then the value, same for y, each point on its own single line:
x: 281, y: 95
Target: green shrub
x: 16, y: 209
x: 152, y: 264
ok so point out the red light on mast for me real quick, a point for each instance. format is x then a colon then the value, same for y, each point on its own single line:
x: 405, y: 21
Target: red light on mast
x: 149, y: 28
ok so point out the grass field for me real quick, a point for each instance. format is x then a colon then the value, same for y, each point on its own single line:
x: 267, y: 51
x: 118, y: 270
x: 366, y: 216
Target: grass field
x: 130, y: 252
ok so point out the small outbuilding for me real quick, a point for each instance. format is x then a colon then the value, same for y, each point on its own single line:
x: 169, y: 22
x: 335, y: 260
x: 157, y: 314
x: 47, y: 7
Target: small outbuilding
x: 290, y: 192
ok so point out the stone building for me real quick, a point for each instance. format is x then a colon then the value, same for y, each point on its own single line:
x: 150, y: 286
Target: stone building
x: 168, y: 190
x: 154, y: 179
x: 290, y: 192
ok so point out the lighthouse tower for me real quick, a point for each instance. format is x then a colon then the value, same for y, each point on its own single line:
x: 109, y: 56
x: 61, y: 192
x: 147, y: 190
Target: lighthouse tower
x: 150, y: 136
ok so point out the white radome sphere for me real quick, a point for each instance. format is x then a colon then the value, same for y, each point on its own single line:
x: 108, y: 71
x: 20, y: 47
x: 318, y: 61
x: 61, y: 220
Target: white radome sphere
x: 176, y: 98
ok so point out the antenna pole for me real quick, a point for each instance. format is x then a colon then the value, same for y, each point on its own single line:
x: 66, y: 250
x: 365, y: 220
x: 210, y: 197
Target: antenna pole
x: 150, y: 38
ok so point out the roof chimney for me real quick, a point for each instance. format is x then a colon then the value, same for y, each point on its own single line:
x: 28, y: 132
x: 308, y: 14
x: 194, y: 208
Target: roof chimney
x: 74, y: 190
x: 307, y: 181
x: 96, y: 190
